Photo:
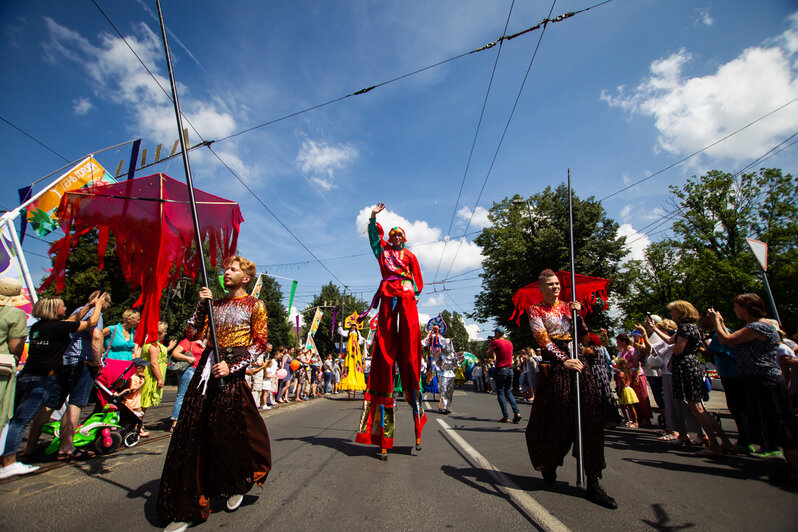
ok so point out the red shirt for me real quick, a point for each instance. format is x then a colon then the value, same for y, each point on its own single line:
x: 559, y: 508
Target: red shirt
x: 504, y: 352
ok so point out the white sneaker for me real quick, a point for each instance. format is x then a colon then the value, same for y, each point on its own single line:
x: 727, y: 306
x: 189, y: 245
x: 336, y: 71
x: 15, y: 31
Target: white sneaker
x: 234, y: 501
x: 265, y: 407
x: 177, y: 526
x: 17, y: 468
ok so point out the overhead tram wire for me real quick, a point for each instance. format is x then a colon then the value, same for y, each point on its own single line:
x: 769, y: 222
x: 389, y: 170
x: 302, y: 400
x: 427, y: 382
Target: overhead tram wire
x: 208, y: 144
x: 778, y: 148
x: 542, y: 23
x: 705, y: 148
x: 504, y: 133
x: 34, y: 139
x: 473, y: 143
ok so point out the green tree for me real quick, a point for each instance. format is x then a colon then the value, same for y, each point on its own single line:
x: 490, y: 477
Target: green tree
x: 530, y: 235
x: 346, y: 304
x: 708, y: 261
x: 280, y: 331
x: 456, y: 330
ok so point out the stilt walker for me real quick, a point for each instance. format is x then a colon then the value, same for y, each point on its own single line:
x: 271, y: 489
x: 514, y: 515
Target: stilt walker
x: 398, y: 339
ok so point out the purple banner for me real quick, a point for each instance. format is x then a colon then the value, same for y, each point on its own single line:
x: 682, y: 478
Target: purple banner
x: 332, y: 329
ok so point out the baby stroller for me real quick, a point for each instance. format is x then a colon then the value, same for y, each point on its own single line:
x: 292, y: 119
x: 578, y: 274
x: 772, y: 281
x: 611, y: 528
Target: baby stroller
x: 112, y: 423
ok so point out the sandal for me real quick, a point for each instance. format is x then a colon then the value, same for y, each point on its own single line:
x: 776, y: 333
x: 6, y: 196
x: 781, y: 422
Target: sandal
x: 504, y: 420
x: 78, y: 453
x: 668, y: 437
x: 144, y: 434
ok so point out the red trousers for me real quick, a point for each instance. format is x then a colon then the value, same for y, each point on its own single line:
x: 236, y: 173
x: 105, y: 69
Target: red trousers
x: 398, y: 341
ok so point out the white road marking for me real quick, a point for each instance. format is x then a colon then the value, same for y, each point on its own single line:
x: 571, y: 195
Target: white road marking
x: 542, y: 517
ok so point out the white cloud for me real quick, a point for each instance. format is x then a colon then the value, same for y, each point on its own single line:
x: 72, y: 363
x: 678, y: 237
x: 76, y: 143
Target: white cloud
x: 119, y: 77
x: 637, y: 243
x: 473, y: 332
x: 423, y: 318
x: 704, y: 17
x: 292, y: 317
x: 693, y: 112
x: 426, y: 243
x: 322, y: 158
x: 434, y: 301
x: 625, y: 212
x: 479, y: 220
x: 81, y: 106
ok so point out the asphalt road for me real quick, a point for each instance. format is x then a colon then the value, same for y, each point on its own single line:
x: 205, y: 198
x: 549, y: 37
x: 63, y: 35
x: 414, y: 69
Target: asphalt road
x: 472, y: 474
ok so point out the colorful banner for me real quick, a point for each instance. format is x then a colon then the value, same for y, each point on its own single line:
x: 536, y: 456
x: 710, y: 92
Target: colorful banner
x: 291, y: 298
x: 9, y: 267
x: 437, y: 321
x: 257, y: 287
x: 314, y: 326
x: 312, y: 346
x: 41, y: 213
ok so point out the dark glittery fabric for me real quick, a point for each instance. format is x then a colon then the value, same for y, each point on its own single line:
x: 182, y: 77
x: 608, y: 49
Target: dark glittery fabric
x: 219, y: 448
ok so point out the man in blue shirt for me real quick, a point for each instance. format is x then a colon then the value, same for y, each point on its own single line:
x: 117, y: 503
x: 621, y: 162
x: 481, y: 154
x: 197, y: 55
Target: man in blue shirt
x: 82, y: 362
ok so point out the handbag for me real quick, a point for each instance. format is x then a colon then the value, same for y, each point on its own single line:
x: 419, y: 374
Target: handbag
x: 177, y: 366
x: 8, y: 365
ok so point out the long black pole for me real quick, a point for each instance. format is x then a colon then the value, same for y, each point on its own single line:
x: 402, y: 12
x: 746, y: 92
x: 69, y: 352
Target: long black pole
x: 213, y: 357
x: 580, y: 474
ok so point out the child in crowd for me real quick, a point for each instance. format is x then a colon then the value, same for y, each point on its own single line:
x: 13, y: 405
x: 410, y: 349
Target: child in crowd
x: 133, y: 393
x: 627, y: 397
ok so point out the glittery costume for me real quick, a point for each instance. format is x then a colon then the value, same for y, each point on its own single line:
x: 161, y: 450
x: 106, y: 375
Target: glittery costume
x: 446, y: 359
x: 551, y: 430
x: 352, y: 377
x: 398, y: 340
x: 220, y: 446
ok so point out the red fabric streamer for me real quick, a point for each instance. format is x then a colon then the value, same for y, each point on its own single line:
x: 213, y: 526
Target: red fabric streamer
x: 150, y: 218
x: 587, y: 289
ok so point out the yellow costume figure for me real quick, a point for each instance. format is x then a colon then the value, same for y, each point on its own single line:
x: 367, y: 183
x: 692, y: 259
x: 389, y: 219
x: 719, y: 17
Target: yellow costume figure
x: 353, y: 378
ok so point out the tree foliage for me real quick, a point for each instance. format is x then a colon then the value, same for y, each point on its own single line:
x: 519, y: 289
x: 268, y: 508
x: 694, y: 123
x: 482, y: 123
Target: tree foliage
x: 708, y: 261
x: 280, y: 331
x: 456, y: 330
x: 528, y: 236
x: 346, y: 304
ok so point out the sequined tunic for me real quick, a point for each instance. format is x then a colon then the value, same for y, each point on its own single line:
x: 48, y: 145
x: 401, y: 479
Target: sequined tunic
x: 240, y: 322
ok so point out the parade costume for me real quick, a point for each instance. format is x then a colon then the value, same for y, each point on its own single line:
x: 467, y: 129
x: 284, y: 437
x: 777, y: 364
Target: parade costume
x: 352, y: 377
x: 398, y: 339
x: 220, y: 446
x: 446, y: 359
x: 551, y: 430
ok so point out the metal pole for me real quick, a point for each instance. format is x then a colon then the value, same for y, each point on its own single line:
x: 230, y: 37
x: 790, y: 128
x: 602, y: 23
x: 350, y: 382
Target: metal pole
x: 770, y: 296
x: 23, y: 264
x: 214, y: 355
x: 580, y: 474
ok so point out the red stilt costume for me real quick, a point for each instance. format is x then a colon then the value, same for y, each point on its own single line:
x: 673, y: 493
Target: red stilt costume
x: 398, y: 340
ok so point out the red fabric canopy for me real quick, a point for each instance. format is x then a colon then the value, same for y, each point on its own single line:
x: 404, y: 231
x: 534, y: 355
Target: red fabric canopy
x: 587, y: 289
x: 150, y: 218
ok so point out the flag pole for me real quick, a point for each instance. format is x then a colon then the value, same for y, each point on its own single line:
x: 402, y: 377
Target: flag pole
x: 580, y: 473
x: 213, y: 356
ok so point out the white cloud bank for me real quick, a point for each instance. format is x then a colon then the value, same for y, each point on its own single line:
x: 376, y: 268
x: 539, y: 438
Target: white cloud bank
x: 479, y: 219
x: 636, y: 243
x: 693, y: 112
x: 427, y: 244
x: 119, y: 77
x: 473, y: 332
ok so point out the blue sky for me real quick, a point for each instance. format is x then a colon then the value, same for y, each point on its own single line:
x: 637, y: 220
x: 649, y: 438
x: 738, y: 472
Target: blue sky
x: 615, y: 94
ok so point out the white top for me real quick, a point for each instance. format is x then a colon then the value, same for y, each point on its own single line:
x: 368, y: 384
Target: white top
x: 665, y: 352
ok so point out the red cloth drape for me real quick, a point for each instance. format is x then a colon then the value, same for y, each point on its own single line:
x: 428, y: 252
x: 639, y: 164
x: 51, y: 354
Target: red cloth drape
x: 587, y: 289
x: 150, y: 218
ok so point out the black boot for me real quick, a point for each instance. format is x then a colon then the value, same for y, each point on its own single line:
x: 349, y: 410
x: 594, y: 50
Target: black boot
x: 550, y: 477
x: 596, y: 494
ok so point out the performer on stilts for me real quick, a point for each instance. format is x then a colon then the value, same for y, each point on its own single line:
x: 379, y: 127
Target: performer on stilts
x: 352, y: 378
x: 551, y: 430
x: 398, y: 339
x: 220, y: 446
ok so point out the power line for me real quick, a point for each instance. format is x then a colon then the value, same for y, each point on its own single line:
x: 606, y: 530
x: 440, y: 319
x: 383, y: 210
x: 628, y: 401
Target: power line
x: 504, y: 133
x: 474, y: 141
x: 208, y: 144
x: 34, y: 139
x: 542, y: 23
x: 680, y: 161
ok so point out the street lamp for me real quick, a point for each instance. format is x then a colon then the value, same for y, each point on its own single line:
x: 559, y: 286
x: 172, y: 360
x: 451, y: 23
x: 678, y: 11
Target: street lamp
x: 519, y: 201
